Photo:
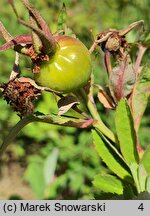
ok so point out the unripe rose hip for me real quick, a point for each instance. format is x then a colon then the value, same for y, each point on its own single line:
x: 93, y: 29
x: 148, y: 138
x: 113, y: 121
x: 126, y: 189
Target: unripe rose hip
x: 69, y: 68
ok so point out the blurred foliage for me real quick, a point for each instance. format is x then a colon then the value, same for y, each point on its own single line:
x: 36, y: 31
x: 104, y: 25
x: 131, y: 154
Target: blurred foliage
x: 39, y: 145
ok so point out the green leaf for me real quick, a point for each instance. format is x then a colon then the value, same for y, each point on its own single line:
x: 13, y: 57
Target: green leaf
x: 148, y: 184
x: 62, y: 28
x: 50, y: 166
x: 140, y: 96
x: 62, y: 18
x: 146, y: 160
x: 142, y: 175
x: 108, y: 183
x: 110, y: 157
x: 34, y: 175
x: 126, y: 132
x: 134, y: 169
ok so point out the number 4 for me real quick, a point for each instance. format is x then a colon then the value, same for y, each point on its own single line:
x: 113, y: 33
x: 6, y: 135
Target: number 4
x: 141, y: 207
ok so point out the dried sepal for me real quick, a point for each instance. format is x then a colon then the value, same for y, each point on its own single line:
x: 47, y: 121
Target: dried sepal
x: 37, y: 17
x: 6, y: 35
x: 113, y: 39
x: 131, y: 26
x: 114, y: 43
x: 41, y: 29
x: 18, y: 43
x: 37, y: 43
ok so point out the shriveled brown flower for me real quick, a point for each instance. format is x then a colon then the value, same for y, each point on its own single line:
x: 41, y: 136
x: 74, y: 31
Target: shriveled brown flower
x: 20, y: 96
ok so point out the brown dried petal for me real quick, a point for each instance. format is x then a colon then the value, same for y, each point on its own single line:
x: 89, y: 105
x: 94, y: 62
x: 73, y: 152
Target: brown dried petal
x: 105, y: 99
x: 66, y: 103
x: 20, y: 96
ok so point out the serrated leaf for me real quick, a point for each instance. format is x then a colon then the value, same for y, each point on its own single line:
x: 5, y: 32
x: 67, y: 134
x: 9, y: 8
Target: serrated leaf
x: 140, y: 96
x: 66, y: 103
x: 50, y: 166
x: 62, y: 28
x: 146, y: 160
x: 126, y: 132
x: 142, y: 175
x: 122, y: 79
x: 62, y: 18
x: 108, y: 184
x: 110, y: 157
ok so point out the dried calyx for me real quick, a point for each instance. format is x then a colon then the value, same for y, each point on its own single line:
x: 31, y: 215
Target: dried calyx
x: 39, y: 46
x: 20, y: 96
x: 124, y: 71
x: 114, y: 41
